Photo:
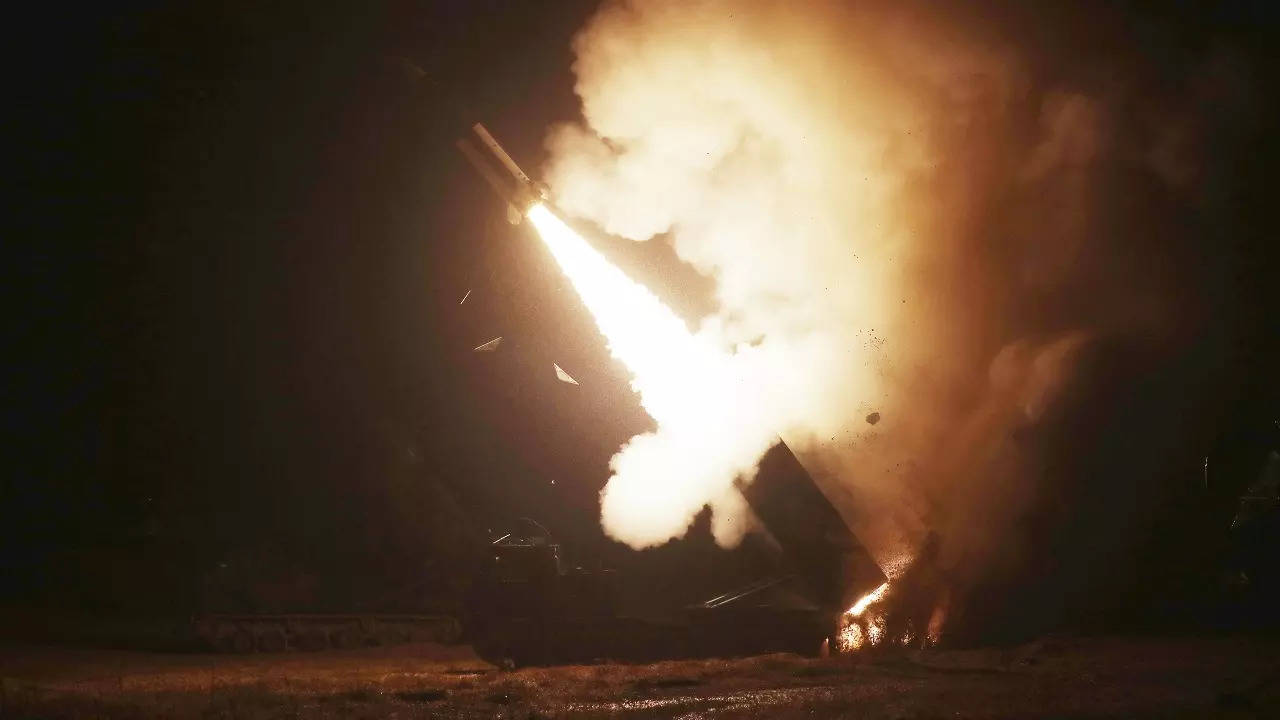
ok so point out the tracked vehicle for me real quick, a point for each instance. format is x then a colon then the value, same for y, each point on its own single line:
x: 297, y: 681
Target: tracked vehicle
x: 527, y: 607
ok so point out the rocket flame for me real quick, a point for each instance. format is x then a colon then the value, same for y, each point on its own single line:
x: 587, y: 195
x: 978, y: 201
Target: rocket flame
x: 856, y: 630
x: 667, y: 363
x: 707, y: 436
x: 865, y: 623
x: 866, y: 600
x: 690, y: 387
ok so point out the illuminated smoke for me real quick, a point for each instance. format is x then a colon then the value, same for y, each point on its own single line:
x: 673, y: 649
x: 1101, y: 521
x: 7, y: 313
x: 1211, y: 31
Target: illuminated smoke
x: 838, y: 172
x: 781, y: 175
x: 710, y: 428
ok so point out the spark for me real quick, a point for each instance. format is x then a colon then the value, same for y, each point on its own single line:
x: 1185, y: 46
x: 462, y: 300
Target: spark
x: 857, y: 631
x: 867, y: 600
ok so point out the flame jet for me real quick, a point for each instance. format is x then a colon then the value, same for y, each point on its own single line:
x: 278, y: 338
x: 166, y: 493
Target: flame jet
x: 518, y: 191
x: 687, y: 386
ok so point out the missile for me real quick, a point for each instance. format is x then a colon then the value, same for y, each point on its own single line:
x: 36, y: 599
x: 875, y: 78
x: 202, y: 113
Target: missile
x: 505, y: 176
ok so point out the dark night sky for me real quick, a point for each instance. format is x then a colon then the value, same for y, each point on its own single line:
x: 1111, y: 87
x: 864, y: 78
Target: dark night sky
x: 249, y: 232
x: 244, y: 232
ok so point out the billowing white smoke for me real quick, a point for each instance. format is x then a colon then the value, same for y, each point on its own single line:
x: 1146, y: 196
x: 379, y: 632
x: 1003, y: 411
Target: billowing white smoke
x: 825, y: 166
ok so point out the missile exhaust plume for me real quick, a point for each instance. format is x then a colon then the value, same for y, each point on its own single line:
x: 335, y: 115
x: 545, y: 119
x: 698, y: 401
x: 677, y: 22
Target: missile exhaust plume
x: 708, y: 432
x: 924, y: 231
x: 786, y: 175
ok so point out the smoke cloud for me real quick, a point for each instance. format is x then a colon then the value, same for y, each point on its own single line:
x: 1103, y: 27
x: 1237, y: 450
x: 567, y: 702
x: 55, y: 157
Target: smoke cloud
x: 900, y: 218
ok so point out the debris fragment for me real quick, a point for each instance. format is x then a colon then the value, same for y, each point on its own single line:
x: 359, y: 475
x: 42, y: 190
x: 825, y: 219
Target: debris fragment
x: 563, y: 376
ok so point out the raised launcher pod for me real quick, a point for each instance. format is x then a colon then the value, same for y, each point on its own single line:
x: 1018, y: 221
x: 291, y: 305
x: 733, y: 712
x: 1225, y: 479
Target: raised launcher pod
x: 819, y: 568
x: 506, y: 178
x: 817, y: 546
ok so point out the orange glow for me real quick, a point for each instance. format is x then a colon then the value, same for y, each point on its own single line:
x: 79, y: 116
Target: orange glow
x: 692, y: 388
x: 866, y: 600
x: 669, y: 366
x: 851, y: 637
x: 856, y: 630
x: 937, y: 619
x: 710, y: 433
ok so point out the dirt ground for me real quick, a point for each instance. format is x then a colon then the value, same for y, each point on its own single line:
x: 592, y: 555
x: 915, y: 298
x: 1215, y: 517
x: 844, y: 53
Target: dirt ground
x: 1060, y: 677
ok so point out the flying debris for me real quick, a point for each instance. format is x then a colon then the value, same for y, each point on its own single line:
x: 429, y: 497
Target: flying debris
x: 518, y: 191
x: 494, y: 344
x: 563, y: 376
